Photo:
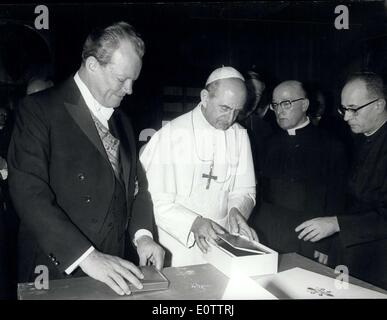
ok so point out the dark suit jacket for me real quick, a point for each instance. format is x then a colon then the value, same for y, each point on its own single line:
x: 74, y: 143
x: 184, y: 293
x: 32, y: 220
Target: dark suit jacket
x: 61, y: 181
x: 302, y: 177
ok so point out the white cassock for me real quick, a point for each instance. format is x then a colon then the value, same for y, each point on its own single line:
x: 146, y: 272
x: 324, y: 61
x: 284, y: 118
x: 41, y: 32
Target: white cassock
x: 175, y: 160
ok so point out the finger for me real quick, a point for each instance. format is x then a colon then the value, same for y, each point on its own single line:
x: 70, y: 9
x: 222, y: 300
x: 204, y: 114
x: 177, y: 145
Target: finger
x: 212, y: 235
x: 143, y: 259
x: 203, y: 245
x: 302, y: 225
x: 246, y: 233
x: 197, y: 240
x: 311, y: 235
x: 234, y: 227
x: 199, y: 244
x: 120, y: 282
x: 131, y: 267
x: 316, y: 254
x: 246, y: 230
x: 304, y: 232
x: 243, y: 233
x: 318, y: 237
x: 158, y: 259
x: 218, y: 229
x: 254, y: 235
x: 126, y: 274
x: 323, y: 258
x: 113, y: 285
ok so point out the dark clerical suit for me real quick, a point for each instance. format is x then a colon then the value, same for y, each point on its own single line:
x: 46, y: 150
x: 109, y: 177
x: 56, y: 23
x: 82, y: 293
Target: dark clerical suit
x: 302, y: 177
x: 363, y: 229
x: 63, y: 186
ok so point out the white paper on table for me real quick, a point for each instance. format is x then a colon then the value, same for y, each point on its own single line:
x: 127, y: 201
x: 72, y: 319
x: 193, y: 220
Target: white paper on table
x: 241, y: 287
x: 298, y: 283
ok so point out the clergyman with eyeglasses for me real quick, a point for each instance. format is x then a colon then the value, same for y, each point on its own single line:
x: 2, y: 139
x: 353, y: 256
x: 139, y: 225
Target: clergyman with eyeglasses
x: 302, y: 177
x: 362, y: 228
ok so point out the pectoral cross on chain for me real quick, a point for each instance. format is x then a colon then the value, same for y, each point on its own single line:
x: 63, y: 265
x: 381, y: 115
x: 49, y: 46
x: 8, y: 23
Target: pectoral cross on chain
x: 209, y: 176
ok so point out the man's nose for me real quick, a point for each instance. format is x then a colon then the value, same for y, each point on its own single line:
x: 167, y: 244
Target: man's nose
x: 280, y: 110
x: 347, y: 115
x: 128, y: 87
x: 232, y: 116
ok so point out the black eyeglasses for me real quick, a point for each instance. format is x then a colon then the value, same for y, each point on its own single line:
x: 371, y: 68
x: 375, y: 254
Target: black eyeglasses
x: 353, y: 111
x: 285, y: 105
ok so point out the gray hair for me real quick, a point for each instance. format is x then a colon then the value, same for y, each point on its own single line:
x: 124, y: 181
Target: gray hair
x: 101, y: 43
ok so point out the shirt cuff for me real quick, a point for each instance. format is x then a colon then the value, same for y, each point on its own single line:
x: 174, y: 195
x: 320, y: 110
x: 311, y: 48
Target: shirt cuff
x: 139, y: 233
x: 70, y: 269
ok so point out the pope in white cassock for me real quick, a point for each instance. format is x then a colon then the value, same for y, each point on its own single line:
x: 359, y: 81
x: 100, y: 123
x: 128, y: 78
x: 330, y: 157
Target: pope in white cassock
x: 200, y: 172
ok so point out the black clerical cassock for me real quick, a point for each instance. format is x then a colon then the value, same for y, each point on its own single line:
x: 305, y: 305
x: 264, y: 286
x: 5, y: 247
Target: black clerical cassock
x: 302, y: 177
x: 363, y: 227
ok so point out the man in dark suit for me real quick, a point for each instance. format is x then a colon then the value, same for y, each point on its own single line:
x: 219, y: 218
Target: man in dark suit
x: 362, y: 228
x: 73, y: 171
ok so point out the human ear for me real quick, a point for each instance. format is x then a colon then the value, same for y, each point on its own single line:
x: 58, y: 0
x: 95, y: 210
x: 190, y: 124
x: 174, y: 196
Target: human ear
x: 305, y: 104
x: 204, y: 97
x: 92, y: 64
x: 381, y: 105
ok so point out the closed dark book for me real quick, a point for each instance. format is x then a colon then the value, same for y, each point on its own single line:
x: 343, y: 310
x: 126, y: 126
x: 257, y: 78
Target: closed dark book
x: 153, y: 280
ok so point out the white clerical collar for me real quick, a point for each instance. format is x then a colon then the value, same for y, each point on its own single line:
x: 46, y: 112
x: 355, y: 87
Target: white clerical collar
x: 292, y: 132
x: 102, y: 113
x: 370, y: 134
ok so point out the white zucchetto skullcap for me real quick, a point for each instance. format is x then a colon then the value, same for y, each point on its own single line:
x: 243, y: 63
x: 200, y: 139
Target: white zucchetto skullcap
x: 224, y: 73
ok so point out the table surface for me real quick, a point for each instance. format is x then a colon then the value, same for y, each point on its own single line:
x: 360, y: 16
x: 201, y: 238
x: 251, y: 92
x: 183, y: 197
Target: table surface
x: 198, y: 282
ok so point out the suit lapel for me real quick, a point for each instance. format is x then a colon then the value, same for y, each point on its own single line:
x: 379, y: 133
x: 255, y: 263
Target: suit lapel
x: 80, y: 113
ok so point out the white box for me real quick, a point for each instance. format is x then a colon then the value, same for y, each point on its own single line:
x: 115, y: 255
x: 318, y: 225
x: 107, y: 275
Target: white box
x: 249, y: 265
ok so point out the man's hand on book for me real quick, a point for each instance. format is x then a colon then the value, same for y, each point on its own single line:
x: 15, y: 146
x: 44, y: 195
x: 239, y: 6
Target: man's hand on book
x: 112, y: 271
x: 149, y: 252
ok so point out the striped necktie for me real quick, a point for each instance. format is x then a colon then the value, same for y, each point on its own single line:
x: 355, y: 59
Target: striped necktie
x: 111, y: 145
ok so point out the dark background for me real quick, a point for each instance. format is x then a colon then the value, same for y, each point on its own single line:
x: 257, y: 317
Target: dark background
x: 186, y: 41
